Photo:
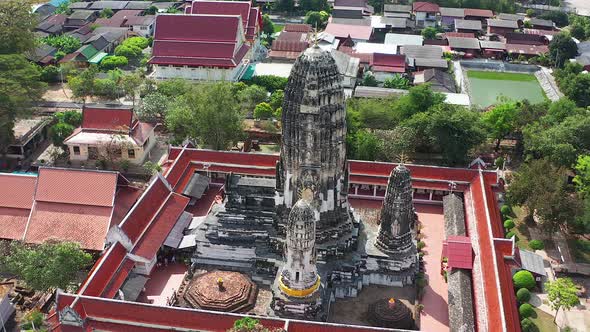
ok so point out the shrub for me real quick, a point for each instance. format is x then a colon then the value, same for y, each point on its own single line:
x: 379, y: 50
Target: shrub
x: 50, y: 74
x: 536, y: 244
x: 506, y: 210
x: 526, y: 310
x: 64, y: 43
x: 509, y: 224
x: 524, y: 279
x: 421, y: 245
x: 510, y: 234
x: 128, y: 51
x: 112, y: 62
x: 527, y: 325
x: 35, y: 318
x: 140, y: 42
x: 262, y: 111
x: 499, y: 162
x: 269, y: 82
x: 523, y: 295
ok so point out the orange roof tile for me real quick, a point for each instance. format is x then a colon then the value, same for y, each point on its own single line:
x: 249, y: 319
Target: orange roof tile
x: 18, y: 190
x: 76, y: 186
x: 13, y: 222
x: 83, y: 224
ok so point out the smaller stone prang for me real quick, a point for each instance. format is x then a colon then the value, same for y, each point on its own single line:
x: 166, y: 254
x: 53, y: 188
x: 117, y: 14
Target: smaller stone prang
x: 299, y: 277
x: 398, y: 216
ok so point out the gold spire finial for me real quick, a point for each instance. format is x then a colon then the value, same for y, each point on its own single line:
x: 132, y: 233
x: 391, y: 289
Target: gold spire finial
x: 403, y: 158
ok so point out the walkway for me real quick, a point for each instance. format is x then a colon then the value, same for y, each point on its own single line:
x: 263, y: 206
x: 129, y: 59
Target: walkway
x: 435, y: 316
x: 163, y: 282
x: 548, y: 84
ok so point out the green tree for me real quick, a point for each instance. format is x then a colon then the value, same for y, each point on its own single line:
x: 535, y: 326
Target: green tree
x: 152, y: 10
x: 276, y: 99
x: 267, y: 25
x: 252, y: 96
x: 263, y: 111
x: 317, y: 19
x: 201, y: 114
x: 582, y: 178
x: 269, y: 82
x: 17, y: 23
x: 20, y: 87
x: 369, y: 80
x: 174, y: 87
x: 113, y: 61
x: 420, y: 98
x: 558, y: 17
x: 60, y: 131
x: 543, y: 187
x: 46, y: 266
x: 287, y: 6
x: 536, y: 244
x: 523, y: 295
x: 367, y: 146
x: 562, y: 48
x: 64, y: 43
x: 429, y: 33
x: 313, y: 5
x: 106, y: 13
x: 153, y: 107
x: 128, y: 51
x: 562, y: 294
x: 394, y: 143
x: 139, y: 42
x: 50, y: 74
x: 83, y: 85
x: 130, y: 84
x: 71, y: 117
x: 397, y: 82
x: 524, y: 279
x: 501, y: 121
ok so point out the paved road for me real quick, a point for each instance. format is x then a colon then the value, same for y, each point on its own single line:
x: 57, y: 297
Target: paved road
x: 582, y: 7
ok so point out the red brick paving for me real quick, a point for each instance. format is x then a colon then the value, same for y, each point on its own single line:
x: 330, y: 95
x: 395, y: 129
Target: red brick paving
x: 163, y: 281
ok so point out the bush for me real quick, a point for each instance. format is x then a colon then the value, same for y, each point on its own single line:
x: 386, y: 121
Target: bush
x: 128, y: 51
x: 527, y: 325
x: 506, y: 210
x: 499, y: 162
x: 526, y: 310
x: 421, y: 245
x: 524, y: 279
x: 105, y: 87
x: 523, y: 295
x: 262, y: 111
x: 536, y: 244
x: 34, y: 317
x: 510, y: 234
x: 269, y: 82
x: 509, y: 224
x: 140, y: 42
x: 50, y: 74
x: 112, y: 62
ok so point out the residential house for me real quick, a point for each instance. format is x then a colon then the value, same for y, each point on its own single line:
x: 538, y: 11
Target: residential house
x: 112, y: 5
x: 375, y: 48
x: 519, y: 18
x: 526, y: 39
x: 185, y: 46
x: 29, y: 134
x: 81, y: 56
x: 470, y: 46
x: 52, y: 25
x: 403, y: 39
x: 501, y: 27
x: 44, y: 11
x: 42, y: 54
x: 528, y: 51
x: 395, y: 10
x: 439, y: 80
x: 83, y: 33
x: 80, y: 18
x: 472, y: 26
x: 424, y: 57
x: 426, y: 14
x: 481, y: 15
x: 584, y: 57
x: 386, y: 24
x: 131, y: 19
x: 348, y: 66
x: 344, y: 31
x: 449, y: 15
x: 251, y: 16
x: 77, y: 5
x: 493, y: 49
x: 540, y: 24
x: 289, y: 44
x: 138, y: 5
x: 353, y: 9
x: 384, y: 66
x: 110, y: 132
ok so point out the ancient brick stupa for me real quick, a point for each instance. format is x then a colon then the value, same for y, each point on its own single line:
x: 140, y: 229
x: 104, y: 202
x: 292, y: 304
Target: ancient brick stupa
x: 313, y: 153
x: 396, y: 228
x: 297, y: 288
x: 391, y: 313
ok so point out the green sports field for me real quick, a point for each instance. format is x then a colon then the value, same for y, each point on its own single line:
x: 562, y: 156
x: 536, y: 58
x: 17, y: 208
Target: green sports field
x: 487, y: 86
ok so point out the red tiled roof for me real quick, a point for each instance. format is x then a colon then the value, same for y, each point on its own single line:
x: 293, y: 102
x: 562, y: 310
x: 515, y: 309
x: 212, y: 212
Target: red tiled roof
x: 427, y: 7
x: 83, y: 224
x: 527, y: 49
x: 389, y: 60
x: 57, y: 185
x: 196, y: 28
x: 345, y: 30
x: 251, y: 17
x: 105, y: 118
x: 479, y: 12
x: 289, y: 45
x: 459, y: 252
x: 141, y: 132
x: 161, y: 226
x: 13, y: 222
x: 18, y: 191
x: 297, y: 28
x: 103, y: 271
x: 388, y: 69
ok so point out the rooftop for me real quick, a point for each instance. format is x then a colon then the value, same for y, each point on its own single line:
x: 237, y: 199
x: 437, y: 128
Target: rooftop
x: 354, y: 32
x: 403, y: 39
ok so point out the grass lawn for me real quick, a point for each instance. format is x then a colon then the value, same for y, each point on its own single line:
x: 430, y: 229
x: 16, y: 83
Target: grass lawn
x: 278, y: 28
x: 486, y: 86
x: 580, y: 250
x: 543, y: 321
x: 521, y: 229
x: 494, y: 75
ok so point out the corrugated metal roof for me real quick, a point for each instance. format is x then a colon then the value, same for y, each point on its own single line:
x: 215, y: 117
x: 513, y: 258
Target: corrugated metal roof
x: 532, y: 262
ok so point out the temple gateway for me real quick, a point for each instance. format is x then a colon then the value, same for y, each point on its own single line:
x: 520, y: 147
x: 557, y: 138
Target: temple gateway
x: 298, y: 234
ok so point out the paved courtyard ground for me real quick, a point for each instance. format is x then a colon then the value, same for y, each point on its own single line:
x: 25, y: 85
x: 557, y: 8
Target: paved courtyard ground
x: 163, y: 282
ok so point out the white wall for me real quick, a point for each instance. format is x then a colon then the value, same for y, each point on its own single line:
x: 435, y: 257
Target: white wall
x: 198, y: 73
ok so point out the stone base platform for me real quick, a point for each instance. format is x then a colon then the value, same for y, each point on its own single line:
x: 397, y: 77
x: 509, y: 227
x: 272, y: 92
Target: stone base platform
x: 221, y: 291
